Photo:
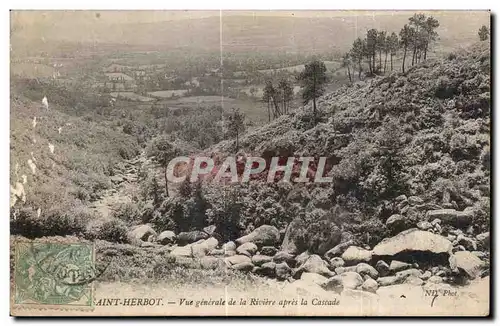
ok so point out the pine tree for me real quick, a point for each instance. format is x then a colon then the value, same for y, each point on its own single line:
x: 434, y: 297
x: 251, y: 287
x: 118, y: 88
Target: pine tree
x: 313, y: 78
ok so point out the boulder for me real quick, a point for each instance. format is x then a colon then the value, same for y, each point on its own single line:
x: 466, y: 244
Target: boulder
x: 425, y: 276
x: 370, y: 285
x: 334, y: 284
x: 382, y: 268
x: 184, y: 238
x: 338, y: 249
x: 229, y: 246
x: 203, y: 248
x: 354, y: 255
x: 415, y: 200
x: 396, y: 223
x: 141, y: 233
x: 413, y: 240
x: 313, y: 278
x: 480, y: 254
x: 284, y: 256
x: 267, y: 269
x: 247, y: 247
x: 351, y: 280
x: 435, y: 279
x: 365, y: 269
x: 336, y: 262
x: 184, y: 251
x: 166, y: 237
x: 264, y: 235
x: 452, y: 217
x: 244, y: 267
x: 237, y: 259
x: 467, y: 262
x: 268, y: 251
x: 209, y: 230
x: 424, y: 225
x: 314, y: 264
x: 258, y: 260
x: 397, y: 266
x: 388, y: 280
x: 402, y: 204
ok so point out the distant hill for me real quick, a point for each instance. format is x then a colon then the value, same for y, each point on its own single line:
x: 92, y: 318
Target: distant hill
x: 240, y: 33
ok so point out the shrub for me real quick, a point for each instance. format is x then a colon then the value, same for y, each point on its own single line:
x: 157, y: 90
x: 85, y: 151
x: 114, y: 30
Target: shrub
x: 127, y: 212
x: 113, y: 230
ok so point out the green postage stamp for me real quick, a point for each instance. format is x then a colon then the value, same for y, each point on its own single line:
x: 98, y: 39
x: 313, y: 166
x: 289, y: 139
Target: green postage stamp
x: 53, y: 274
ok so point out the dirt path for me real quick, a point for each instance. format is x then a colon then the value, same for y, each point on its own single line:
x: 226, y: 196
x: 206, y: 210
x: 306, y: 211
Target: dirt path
x: 125, y: 184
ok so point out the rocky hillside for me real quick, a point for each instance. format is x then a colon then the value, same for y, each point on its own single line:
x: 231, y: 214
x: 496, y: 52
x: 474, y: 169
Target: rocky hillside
x: 409, y: 202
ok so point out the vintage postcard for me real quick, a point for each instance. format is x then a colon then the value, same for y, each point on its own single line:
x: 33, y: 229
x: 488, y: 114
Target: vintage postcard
x: 250, y: 163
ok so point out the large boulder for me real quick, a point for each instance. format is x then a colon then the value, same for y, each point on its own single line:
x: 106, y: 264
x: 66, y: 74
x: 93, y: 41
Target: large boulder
x: 166, y: 237
x: 229, y: 246
x: 403, y: 275
x: 337, y: 262
x: 184, y: 238
x: 203, y: 248
x: 338, y: 249
x: 264, y: 235
x: 388, y: 280
x: 354, y: 255
x: 141, y: 233
x: 413, y: 240
x: 467, y: 262
x: 314, y: 264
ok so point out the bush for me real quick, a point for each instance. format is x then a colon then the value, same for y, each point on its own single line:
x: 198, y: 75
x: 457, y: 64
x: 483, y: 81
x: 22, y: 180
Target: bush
x: 57, y: 221
x: 128, y: 212
x: 113, y: 230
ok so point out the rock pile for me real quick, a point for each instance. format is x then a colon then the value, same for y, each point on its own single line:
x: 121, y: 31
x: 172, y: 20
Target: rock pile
x: 437, y: 250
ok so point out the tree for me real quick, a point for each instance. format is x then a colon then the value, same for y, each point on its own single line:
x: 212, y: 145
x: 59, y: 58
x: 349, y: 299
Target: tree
x: 162, y: 151
x: 267, y: 95
x: 286, y: 93
x: 483, y: 33
x: 392, y: 45
x: 381, y: 44
x: 429, y: 34
x: 236, y: 125
x: 346, y: 63
x: 405, y: 37
x: 313, y: 79
x: 417, y: 22
x: 357, y: 53
x: 371, y: 49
